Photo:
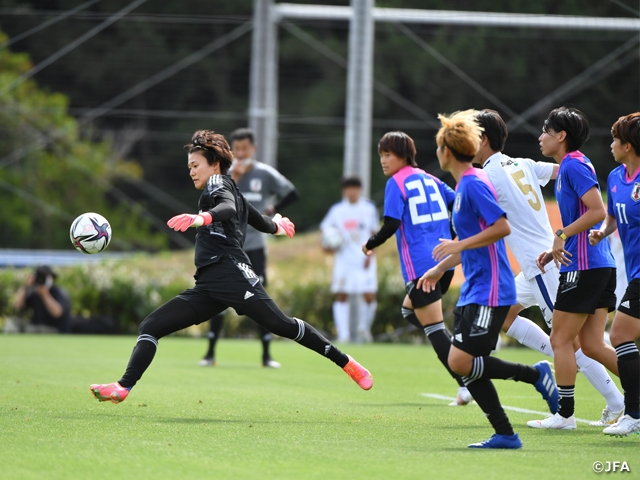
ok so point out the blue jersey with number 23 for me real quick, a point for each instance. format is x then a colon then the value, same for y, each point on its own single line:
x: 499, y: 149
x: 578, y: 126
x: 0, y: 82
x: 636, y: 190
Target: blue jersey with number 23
x: 421, y: 202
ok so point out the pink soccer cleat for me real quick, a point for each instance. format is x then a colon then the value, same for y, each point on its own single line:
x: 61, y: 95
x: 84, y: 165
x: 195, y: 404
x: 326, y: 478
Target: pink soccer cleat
x: 109, y: 392
x: 359, y: 374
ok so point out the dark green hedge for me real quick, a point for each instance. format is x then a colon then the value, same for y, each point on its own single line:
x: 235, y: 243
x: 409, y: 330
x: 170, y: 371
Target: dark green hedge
x: 127, y: 291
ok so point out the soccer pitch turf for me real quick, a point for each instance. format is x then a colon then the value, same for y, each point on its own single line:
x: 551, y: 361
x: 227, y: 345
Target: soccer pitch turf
x: 307, y: 420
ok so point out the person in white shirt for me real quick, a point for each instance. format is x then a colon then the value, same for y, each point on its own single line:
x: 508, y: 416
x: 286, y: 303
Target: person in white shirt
x: 356, y: 219
x: 517, y: 182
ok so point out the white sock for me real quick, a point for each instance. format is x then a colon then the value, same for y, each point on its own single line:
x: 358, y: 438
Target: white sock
x: 365, y: 312
x: 600, y: 379
x: 341, y: 319
x: 371, y: 309
x: 530, y: 335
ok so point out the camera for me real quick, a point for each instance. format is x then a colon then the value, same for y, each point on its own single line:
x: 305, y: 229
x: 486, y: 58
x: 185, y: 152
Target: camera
x: 42, y: 274
x: 41, y: 278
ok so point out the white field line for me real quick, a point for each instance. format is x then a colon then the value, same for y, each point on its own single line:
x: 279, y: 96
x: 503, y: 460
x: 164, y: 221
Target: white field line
x: 506, y: 407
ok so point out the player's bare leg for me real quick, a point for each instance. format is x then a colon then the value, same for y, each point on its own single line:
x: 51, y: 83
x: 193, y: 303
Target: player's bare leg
x: 592, y: 341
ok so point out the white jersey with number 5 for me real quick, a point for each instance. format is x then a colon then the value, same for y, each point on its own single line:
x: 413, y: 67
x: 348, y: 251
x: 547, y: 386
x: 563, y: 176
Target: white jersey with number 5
x: 517, y: 182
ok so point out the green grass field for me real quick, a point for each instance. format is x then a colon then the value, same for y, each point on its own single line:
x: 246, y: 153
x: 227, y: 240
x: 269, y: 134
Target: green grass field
x: 307, y: 420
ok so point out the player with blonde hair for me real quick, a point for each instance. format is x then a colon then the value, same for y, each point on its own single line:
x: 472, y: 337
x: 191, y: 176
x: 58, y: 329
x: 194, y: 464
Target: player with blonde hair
x: 489, y: 290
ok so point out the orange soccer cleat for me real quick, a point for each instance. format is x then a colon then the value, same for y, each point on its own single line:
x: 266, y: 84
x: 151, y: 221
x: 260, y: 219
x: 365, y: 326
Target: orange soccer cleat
x: 359, y: 374
x: 109, y: 392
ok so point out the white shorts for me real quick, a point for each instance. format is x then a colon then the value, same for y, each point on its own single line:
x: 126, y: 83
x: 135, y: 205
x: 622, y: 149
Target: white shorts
x: 353, y: 280
x: 541, y: 290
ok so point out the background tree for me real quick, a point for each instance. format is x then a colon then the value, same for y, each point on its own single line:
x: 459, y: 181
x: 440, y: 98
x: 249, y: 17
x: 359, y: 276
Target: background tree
x: 517, y: 66
x: 42, y: 192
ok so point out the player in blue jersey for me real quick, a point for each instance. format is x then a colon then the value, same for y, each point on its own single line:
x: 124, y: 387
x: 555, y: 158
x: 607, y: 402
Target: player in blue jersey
x: 623, y: 213
x: 587, y: 273
x: 517, y: 182
x: 489, y: 290
x: 416, y: 209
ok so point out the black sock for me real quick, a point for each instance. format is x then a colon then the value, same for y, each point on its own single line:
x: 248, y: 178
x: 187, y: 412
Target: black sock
x: 439, y: 338
x: 629, y: 369
x: 141, y: 358
x: 336, y: 356
x: 215, y: 326
x: 493, y: 367
x: 485, y: 395
x: 174, y: 315
x: 265, y: 338
x: 269, y: 315
x: 567, y: 402
x: 441, y: 342
x: 312, y: 339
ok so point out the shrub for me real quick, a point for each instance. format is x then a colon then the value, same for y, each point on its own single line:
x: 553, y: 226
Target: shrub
x: 127, y: 290
x: 124, y: 290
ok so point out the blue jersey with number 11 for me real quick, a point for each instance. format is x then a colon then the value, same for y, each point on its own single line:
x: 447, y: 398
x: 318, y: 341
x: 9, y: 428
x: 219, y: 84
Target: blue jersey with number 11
x: 624, y: 204
x: 421, y: 202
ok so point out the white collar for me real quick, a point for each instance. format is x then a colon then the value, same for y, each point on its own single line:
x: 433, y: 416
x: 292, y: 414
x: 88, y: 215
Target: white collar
x: 497, y: 155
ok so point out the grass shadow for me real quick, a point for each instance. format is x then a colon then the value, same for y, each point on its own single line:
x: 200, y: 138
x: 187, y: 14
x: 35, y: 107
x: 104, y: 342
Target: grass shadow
x: 248, y: 422
x: 420, y: 405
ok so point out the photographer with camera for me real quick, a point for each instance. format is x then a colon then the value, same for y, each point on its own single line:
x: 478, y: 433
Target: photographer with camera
x: 48, y: 302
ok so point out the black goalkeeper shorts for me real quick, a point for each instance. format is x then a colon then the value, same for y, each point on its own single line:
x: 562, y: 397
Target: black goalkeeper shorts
x: 230, y: 282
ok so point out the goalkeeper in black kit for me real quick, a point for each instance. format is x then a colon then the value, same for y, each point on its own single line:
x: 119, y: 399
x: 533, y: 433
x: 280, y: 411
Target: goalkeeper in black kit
x: 224, y: 276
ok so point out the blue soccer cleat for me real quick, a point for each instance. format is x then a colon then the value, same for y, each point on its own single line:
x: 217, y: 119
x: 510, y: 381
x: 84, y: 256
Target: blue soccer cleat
x: 546, y: 385
x: 500, y: 441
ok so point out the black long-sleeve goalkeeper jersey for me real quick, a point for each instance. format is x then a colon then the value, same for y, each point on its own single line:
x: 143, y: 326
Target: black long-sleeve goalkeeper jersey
x: 230, y: 213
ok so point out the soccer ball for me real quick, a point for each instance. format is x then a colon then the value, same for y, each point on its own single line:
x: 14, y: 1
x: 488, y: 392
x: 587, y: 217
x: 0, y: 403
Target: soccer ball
x: 332, y: 238
x: 90, y: 233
